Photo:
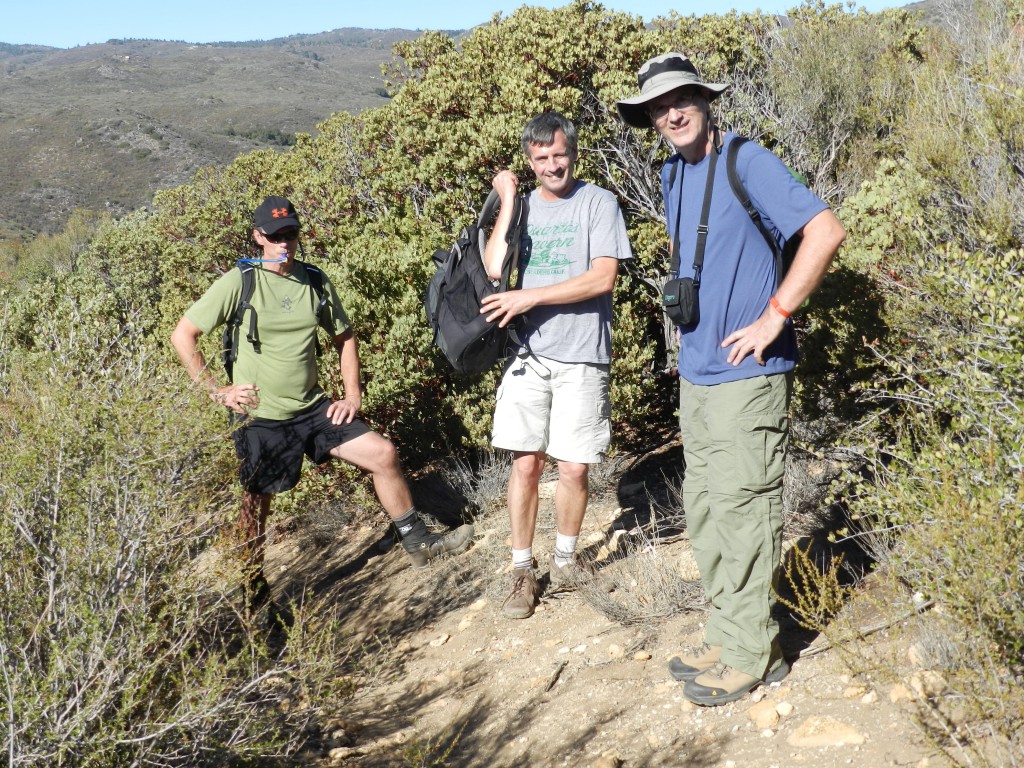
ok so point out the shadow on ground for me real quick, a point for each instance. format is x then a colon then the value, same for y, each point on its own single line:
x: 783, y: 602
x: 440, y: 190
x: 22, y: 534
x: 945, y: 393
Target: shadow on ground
x: 482, y: 727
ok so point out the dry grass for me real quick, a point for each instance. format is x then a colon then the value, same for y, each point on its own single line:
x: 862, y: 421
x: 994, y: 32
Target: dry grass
x: 642, y: 584
x: 485, y: 484
x: 319, y: 525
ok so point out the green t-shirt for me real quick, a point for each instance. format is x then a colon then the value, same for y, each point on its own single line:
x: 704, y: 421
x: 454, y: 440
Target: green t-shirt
x: 285, y: 369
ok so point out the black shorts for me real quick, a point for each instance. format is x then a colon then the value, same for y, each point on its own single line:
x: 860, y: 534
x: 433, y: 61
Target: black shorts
x: 271, y: 451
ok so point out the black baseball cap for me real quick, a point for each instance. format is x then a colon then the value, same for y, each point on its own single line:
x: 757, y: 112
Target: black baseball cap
x: 275, y: 213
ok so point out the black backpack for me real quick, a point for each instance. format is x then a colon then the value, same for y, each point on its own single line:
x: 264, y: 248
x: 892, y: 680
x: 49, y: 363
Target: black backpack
x: 229, y: 343
x: 452, y: 301
x: 784, y: 255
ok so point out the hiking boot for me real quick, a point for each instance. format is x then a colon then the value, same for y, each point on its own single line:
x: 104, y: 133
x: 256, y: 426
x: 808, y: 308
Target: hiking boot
x: 721, y: 684
x: 692, y: 661
x: 523, y: 598
x: 569, y: 577
x: 439, y: 544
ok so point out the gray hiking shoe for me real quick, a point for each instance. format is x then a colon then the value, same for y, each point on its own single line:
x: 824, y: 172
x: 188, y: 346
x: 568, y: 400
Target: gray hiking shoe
x: 692, y: 661
x: 721, y: 684
x: 523, y: 598
x: 440, y: 544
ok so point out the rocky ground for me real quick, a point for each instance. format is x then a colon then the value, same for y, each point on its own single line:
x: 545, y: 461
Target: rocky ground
x: 447, y: 681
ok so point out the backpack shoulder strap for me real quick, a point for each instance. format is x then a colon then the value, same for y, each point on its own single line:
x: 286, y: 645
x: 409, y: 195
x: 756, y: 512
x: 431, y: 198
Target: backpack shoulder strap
x: 512, y: 236
x: 744, y: 199
x: 245, y: 302
x: 234, y: 324
x: 316, y: 282
x: 673, y: 170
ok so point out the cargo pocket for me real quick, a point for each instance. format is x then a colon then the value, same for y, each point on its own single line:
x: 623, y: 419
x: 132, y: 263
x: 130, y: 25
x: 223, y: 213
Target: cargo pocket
x: 761, y: 444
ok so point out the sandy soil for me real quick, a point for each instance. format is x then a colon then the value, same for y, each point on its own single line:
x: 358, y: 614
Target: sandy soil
x: 459, y: 685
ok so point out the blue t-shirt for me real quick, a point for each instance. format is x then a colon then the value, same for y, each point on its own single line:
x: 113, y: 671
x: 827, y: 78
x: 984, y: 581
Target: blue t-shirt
x: 738, y: 277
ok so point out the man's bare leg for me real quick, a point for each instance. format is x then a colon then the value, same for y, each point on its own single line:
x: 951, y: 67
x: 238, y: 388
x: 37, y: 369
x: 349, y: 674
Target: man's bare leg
x: 522, y: 497
x: 252, y: 527
x: 252, y: 537
x: 571, y: 496
x: 377, y: 455
x: 522, y: 511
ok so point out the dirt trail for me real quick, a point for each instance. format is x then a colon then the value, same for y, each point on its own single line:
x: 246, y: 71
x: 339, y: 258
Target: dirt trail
x: 462, y: 686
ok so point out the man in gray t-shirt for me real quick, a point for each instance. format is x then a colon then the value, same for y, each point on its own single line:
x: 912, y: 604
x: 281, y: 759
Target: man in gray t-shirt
x: 553, y: 398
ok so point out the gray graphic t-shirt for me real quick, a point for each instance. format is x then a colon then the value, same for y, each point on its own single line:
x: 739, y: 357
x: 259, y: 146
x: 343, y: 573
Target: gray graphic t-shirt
x: 561, y: 239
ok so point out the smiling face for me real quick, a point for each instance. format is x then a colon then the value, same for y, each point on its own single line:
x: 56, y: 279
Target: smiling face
x: 553, y: 163
x: 683, y: 117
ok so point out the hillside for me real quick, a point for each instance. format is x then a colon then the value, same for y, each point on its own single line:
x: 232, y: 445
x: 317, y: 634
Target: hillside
x: 103, y: 126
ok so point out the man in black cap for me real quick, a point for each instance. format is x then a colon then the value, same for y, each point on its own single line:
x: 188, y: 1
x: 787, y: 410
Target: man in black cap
x: 736, y: 358
x: 280, y: 411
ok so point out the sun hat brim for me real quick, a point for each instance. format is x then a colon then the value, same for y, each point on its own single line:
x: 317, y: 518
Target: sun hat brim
x: 659, y: 76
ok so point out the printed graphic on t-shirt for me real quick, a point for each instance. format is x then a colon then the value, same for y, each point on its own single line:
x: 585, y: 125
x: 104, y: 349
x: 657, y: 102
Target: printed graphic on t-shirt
x: 286, y: 304
x: 547, y: 248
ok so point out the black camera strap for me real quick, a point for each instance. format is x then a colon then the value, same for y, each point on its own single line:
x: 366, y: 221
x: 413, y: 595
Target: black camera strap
x: 705, y: 212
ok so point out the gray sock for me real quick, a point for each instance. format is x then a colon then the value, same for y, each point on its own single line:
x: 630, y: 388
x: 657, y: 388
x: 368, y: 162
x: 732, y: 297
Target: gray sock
x: 411, y: 529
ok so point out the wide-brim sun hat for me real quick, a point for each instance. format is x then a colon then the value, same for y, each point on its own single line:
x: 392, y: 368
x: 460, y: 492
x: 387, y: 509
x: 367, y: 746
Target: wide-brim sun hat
x: 657, y: 77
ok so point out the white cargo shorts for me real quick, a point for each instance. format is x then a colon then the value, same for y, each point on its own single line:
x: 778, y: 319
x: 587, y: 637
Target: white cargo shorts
x: 560, y: 408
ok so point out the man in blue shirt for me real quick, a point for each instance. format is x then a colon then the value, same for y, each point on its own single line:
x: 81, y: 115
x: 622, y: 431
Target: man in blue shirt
x: 735, y: 367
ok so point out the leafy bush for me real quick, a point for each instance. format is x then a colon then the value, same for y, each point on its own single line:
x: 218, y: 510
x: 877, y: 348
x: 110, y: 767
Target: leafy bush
x: 115, y: 648
x: 940, y: 231
x: 378, y: 192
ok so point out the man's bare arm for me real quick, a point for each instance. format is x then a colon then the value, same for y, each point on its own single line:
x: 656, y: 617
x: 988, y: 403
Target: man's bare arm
x: 597, y: 280
x: 238, y: 397
x: 346, y: 409
x: 506, y: 185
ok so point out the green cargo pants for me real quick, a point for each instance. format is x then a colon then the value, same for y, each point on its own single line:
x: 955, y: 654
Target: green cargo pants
x: 734, y: 441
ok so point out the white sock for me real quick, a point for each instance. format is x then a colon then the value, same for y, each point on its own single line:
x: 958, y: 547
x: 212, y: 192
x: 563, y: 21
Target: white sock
x: 565, y: 549
x: 522, y: 558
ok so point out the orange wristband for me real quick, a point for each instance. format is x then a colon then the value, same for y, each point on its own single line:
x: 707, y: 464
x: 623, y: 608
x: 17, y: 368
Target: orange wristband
x: 778, y: 307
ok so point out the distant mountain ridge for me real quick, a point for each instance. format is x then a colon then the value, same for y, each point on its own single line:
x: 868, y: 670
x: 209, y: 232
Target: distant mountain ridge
x: 103, y: 126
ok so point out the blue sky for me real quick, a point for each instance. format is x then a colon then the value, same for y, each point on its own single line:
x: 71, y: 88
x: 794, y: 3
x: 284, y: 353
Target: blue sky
x: 66, y: 23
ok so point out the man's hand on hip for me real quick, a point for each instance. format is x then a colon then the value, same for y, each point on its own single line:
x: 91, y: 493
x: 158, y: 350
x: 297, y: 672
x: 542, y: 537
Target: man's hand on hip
x: 240, y: 398
x: 755, y: 338
x: 344, y: 411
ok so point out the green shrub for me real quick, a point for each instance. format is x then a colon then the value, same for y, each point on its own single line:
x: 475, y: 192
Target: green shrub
x: 940, y: 231
x: 116, y: 648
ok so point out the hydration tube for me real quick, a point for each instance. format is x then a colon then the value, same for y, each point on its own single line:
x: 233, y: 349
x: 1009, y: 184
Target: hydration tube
x: 250, y: 260
x: 261, y: 261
